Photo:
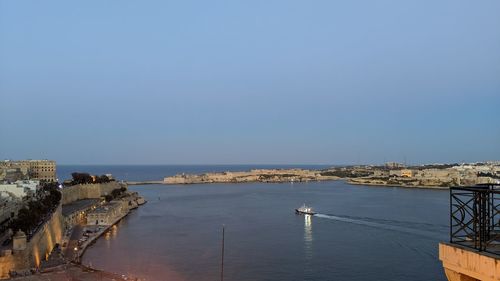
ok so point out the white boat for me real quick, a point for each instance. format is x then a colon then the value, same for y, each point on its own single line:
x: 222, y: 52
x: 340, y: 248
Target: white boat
x: 304, y: 210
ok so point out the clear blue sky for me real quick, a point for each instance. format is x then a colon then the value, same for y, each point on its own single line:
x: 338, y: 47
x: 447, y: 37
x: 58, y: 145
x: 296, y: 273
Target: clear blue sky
x: 270, y: 82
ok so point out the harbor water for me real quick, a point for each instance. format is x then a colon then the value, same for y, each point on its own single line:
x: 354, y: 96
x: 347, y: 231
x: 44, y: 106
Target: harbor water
x: 360, y: 232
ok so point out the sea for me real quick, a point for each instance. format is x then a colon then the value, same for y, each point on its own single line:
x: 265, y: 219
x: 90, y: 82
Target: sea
x: 359, y: 233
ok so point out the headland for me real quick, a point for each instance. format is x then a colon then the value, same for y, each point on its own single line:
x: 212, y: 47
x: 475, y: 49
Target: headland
x: 391, y: 174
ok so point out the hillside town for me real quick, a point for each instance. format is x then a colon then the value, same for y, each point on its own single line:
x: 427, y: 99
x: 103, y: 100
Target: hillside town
x: 395, y: 174
x: 433, y: 175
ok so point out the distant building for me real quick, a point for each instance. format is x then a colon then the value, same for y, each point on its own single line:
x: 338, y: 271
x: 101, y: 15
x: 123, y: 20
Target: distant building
x: 395, y: 173
x: 380, y: 173
x: 42, y: 170
x: 28, y: 169
x: 11, y: 174
x: 20, y: 188
x: 31, y: 185
x: 13, y: 189
x: 9, y: 206
x: 406, y: 173
x: 394, y: 165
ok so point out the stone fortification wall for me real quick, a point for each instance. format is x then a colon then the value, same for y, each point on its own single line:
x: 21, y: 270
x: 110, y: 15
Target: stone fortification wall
x: 11, y: 262
x: 87, y: 191
x: 42, y: 243
x: 51, y: 232
x: 37, y: 249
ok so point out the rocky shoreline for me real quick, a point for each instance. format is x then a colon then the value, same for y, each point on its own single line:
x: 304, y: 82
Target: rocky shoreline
x: 435, y: 176
x: 257, y: 175
x: 354, y: 182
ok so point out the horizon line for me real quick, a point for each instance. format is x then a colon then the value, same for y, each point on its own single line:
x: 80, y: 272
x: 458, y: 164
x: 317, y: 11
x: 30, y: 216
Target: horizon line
x: 268, y: 164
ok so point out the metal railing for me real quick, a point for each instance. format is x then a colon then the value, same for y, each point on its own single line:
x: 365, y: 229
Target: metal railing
x: 475, y: 217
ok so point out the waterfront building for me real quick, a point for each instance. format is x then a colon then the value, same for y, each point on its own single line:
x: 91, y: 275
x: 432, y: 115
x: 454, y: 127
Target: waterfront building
x: 406, y: 173
x: 395, y: 173
x: 76, y: 212
x: 438, y: 176
x: 106, y: 214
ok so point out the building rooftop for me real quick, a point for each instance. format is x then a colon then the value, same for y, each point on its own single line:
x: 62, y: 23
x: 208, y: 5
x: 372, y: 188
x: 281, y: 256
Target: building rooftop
x: 78, y: 206
x: 105, y: 208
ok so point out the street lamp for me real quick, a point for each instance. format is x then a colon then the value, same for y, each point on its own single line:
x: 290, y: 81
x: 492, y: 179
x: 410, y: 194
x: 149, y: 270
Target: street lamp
x: 76, y: 254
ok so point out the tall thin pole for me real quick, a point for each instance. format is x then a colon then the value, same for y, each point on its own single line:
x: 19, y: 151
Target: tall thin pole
x: 222, y: 258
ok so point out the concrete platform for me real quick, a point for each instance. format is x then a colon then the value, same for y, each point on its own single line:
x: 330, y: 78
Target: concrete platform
x: 464, y: 264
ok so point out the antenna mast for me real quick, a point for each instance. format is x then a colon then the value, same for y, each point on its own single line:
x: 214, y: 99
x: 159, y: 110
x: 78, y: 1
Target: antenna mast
x: 222, y: 258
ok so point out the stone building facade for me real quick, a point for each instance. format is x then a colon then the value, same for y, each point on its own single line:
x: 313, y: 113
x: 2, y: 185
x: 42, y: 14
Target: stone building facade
x: 29, y: 169
x: 106, y: 214
x: 42, y: 170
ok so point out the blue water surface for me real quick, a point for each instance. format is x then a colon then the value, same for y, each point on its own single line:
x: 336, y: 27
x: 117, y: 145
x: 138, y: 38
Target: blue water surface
x: 361, y: 233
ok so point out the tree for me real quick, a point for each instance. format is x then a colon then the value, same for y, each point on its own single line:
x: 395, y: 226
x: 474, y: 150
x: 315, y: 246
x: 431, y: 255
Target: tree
x: 102, y: 179
x: 116, y: 192
x: 81, y: 178
x: 31, y: 215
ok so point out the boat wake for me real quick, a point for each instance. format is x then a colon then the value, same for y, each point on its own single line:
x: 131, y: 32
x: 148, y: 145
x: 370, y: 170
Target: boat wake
x: 423, y: 229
